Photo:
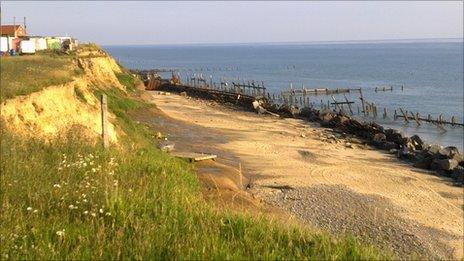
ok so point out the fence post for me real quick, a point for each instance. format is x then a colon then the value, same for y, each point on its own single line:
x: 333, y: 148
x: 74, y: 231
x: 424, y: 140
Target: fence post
x: 104, y: 115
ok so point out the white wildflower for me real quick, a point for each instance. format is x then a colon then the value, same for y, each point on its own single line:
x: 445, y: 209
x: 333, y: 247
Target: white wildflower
x: 93, y: 169
x: 86, y: 212
x: 71, y: 207
x: 101, y: 210
x: 93, y: 214
x: 35, y: 211
x: 84, y: 200
x: 56, y: 186
x: 28, y: 208
x: 60, y: 233
x: 107, y: 214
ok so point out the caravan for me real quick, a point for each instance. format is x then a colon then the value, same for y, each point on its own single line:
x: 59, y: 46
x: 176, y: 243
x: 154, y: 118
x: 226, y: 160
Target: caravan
x: 27, y: 47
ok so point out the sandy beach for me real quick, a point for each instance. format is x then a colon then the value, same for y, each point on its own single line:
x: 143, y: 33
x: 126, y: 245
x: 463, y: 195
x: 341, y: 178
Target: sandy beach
x: 324, y: 179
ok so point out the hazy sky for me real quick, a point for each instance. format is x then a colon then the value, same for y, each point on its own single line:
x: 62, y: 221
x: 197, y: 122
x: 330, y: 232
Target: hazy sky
x: 238, y: 22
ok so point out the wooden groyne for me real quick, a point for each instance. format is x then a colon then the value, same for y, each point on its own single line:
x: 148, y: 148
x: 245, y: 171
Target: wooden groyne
x: 418, y: 119
x: 223, y: 96
x: 243, y: 93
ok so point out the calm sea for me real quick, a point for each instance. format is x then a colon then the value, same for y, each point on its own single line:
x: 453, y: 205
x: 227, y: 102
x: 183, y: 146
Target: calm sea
x: 431, y: 73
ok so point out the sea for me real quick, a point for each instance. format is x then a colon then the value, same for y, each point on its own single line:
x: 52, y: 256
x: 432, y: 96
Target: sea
x: 429, y: 72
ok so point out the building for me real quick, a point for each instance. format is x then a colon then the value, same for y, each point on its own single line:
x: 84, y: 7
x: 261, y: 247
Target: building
x: 13, y: 30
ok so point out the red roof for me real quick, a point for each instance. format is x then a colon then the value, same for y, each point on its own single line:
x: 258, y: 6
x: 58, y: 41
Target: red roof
x: 9, y: 29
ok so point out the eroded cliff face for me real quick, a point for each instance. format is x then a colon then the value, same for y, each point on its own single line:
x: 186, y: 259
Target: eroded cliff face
x: 56, y: 109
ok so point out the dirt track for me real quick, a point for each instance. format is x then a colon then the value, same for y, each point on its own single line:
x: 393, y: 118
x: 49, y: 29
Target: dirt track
x: 338, y: 185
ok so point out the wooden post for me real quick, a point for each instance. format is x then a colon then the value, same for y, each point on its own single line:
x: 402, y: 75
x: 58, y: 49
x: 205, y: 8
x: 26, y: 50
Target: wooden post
x: 104, y: 115
x: 336, y: 104
x: 385, y: 112
x: 416, y: 118
x: 453, y: 121
x: 362, y: 101
x: 349, y: 105
x: 404, y: 115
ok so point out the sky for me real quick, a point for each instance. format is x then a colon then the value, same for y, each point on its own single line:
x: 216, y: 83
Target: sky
x: 146, y: 22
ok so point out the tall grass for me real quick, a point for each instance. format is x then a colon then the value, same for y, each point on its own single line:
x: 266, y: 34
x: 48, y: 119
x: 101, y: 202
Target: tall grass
x: 70, y: 199
x: 22, y: 75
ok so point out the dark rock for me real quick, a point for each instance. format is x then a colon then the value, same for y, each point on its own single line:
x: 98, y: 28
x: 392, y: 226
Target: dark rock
x: 444, y: 164
x: 395, y: 137
x: 434, y: 148
x: 406, y: 142
x: 388, y: 145
x: 458, y: 174
x: 449, y: 152
x: 342, y: 120
x: 423, y: 160
x: 327, y: 119
x: 403, y: 153
x: 417, y: 142
x: 310, y: 114
x: 379, y: 137
x: 288, y: 110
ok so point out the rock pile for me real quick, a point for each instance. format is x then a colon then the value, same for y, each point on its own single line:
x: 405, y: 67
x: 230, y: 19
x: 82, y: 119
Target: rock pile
x: 445, y: 161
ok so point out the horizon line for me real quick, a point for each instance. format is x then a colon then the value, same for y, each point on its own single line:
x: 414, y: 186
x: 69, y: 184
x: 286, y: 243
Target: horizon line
x: 303, y: 42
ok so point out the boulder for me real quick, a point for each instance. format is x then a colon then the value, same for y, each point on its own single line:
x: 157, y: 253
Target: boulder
x: 444, y: 164
x: 407, y: 142
x: 423, y: 160
x: 379, y: 137
x: 434, y: 148
x: 309, y: 113
x: 458, y: 174
x: 417, y: 142
x: 255, y: 105
x: 326, y: 116
x: 388, y: 145
x: 395, y: 137
x: 287, y: 110
x: 449, y: 152
x: 403, y: 153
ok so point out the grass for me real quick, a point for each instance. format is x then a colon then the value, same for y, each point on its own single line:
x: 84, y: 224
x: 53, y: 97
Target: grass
x: 22, y: 75
x: 70, y: 199
x: 126, y: 80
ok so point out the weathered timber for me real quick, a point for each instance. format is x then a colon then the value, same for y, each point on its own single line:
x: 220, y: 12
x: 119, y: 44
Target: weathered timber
x: 429, y: 119
x: 193, y: 156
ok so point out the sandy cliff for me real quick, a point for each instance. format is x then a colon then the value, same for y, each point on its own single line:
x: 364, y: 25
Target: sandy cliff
x: 55, y: 109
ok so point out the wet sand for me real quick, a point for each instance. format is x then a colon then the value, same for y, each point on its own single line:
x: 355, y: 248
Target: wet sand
x: 335, y: 184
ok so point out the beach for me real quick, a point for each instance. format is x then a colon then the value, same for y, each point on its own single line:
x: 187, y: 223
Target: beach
x: 322, y: 179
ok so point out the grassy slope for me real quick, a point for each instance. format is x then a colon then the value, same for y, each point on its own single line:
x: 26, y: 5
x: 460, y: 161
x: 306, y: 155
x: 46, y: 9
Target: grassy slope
x: 71, y: 199
x: 22, y: 75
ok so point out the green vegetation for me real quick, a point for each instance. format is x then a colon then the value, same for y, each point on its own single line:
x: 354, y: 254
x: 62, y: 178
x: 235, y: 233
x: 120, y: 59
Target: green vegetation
x: 22, y: 75
x: 126, y: 80
x: 70, y: 199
